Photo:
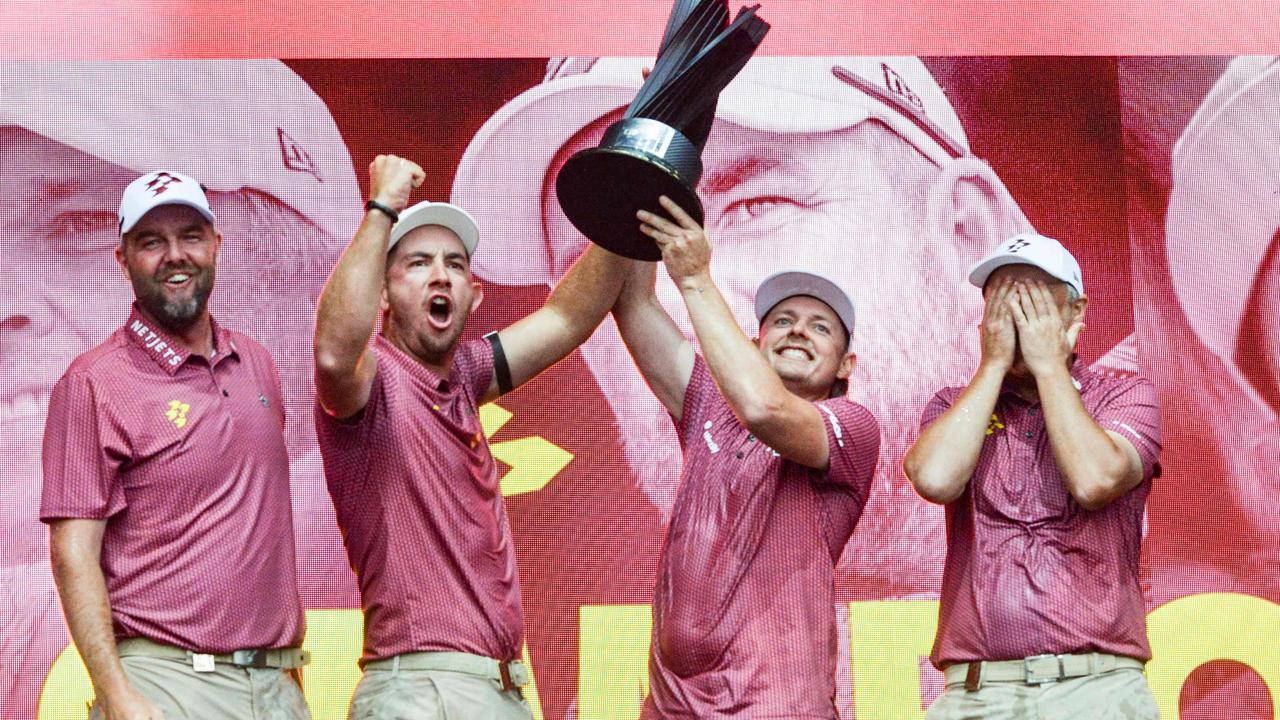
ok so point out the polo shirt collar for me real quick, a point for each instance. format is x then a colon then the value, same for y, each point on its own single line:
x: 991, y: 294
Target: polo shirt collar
x: 161, y: 347
x: 417, y: 369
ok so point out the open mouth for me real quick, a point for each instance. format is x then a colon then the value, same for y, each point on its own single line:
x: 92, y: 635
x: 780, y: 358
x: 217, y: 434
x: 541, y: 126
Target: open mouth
x: 795, y: 353
x: 440, y: 312
x: 178, y: 280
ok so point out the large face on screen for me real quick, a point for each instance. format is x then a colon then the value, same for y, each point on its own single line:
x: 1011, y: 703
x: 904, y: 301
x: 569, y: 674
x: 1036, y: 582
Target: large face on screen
x: 62, y: 292
x: 852, y: 205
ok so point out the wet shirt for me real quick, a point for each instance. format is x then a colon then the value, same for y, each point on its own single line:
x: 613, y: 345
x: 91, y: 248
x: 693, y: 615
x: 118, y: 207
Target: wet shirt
x: 185, y: 460
x: 1029, y: 571
x: 744, y: 610
x: 418, y: 501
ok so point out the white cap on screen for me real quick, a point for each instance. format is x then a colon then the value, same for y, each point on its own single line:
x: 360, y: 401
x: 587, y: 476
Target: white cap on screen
x: 160, y: 187
x: 1031, y: 249
x: 517, y: 146
x: 234, y: 124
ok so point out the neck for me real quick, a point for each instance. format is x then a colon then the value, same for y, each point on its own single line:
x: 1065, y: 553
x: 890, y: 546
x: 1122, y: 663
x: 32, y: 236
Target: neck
x: 440, y: 364
x: 808, y: 393
x: 196, y: 338
x: 1024, y: 384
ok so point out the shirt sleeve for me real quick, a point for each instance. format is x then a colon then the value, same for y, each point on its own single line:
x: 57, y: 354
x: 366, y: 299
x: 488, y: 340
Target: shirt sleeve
x: 938, y: 404
x: 853, y: 442
x: 344, y: 443
x: 84, y: 448
x: 696, y: 394
x: 1131, y: 410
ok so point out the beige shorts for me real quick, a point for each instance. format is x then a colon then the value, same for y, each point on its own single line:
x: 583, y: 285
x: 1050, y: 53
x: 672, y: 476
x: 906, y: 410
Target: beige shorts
x: 227, y: 693
x: 1116, y: 695
x: 386, y: 694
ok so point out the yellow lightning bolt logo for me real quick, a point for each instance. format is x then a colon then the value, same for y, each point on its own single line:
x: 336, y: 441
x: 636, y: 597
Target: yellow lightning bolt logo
x: 995, y: 424
x: 177, y: 412
x: 534, y: 461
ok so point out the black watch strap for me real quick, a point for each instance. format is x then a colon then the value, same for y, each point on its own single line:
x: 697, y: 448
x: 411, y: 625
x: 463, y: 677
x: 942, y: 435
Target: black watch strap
x: 375, y: 205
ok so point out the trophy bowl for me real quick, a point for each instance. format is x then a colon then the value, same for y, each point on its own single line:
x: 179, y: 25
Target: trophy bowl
x: 638, y: 160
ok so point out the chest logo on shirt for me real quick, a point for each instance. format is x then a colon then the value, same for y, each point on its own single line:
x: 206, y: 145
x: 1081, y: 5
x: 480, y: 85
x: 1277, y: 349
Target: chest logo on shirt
x: 263, y: 399
x: 177, y: 412
x: 995, y: 424
x: 710, y: 441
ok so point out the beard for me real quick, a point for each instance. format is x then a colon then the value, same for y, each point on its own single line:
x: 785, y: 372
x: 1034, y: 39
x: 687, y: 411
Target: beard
x: 174, y: 315
x: 912, y: 340
x: 409, y: 325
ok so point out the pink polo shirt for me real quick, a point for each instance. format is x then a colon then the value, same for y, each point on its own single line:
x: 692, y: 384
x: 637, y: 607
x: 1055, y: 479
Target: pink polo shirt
x: 185, y: 459
x: 1028, y: 570
x: 744, y: 610
x: 417, y: 498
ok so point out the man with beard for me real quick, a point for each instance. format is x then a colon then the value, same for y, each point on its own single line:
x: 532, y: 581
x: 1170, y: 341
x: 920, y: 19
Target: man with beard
x: 280, y: 181
x: 166, y: 489
x: 865, y: 162
x: 1044, y: 467
x: 777, y: 467
x: 406, y: 460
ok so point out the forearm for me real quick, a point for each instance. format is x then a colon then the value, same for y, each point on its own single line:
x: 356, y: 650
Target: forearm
x: 747, y: 381
x: 83, y: 591
x: 656, y: 344
x: 586, y: 293
x: 1093, y: 466
x: 349, y: 303
x: 943, y: 458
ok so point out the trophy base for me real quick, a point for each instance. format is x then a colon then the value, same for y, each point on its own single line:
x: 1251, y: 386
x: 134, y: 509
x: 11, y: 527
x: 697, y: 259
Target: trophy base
x: 600, y: 189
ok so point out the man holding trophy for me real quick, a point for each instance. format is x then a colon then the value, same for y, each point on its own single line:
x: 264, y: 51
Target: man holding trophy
x: 778, y: 463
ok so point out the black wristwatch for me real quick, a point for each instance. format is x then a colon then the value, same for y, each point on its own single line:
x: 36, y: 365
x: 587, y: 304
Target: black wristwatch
x: 375, y: 205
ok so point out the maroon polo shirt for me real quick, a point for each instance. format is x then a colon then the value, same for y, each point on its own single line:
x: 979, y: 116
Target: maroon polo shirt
x: 1029, y: 571
x: 185, y: 460
x: 417, y: 498
x: 744, y: 610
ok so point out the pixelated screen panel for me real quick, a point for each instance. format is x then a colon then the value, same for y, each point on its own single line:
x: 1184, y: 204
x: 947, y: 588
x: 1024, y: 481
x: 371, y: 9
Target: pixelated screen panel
x: 1143, y: 167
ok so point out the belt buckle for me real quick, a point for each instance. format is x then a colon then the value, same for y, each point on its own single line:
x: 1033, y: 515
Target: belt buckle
x: 250, y: 658
x: 1034, y: 677
x: 514, y: 674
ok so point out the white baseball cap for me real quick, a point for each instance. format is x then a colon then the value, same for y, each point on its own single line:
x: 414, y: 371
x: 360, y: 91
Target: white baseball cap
x: 157, y: 188
x: 1031, y: 249
x: 790, y: 283
x: 515, y: 148
x: 231, y: 123
x: 1224, y: 212
x: 438, y: 213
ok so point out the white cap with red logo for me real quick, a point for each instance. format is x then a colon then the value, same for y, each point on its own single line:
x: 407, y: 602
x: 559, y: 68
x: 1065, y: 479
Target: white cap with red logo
x: 1031, y: 249
x: 157, y: 188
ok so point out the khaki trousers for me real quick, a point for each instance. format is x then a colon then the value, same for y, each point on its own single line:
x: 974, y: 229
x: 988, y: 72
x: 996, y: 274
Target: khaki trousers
x: 227, y: 693
x: 399, y: 694
x: 1120, y: 694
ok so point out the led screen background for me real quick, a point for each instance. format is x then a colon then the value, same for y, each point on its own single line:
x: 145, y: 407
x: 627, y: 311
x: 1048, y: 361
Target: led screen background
x: 1085, y: 147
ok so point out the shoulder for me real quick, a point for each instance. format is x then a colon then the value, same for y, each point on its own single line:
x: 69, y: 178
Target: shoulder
x: 848, y: 409
x: 247, y: 346
x: 100, y: 360
x: 1107, y: 386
